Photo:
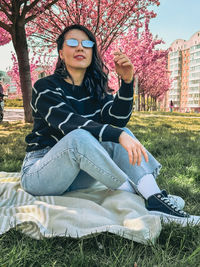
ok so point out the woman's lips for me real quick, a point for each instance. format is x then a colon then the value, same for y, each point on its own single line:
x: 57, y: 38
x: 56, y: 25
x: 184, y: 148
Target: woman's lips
x: 79, y: 57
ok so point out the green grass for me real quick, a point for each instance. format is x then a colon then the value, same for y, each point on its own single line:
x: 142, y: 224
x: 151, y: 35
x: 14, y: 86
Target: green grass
x: 167, y: 113
x: 175, y: 142
x: 14, y: 103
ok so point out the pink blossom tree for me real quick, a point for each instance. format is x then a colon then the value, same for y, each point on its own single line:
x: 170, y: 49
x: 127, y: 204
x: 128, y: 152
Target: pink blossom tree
x: 150, y: 63
x: 109, y: 21
x: 37, y: 67
x: 14, y: 16
x: 106, y: 19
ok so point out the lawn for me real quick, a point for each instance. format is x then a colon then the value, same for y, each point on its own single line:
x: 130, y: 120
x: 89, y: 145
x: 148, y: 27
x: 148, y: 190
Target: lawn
x: 175, y: 142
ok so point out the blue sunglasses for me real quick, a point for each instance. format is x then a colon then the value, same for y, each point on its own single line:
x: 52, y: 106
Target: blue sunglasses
x: 84, y: 43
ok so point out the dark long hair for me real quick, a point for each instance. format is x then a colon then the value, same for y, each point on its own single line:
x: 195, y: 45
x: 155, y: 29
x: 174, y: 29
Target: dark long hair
x: 96, y: 76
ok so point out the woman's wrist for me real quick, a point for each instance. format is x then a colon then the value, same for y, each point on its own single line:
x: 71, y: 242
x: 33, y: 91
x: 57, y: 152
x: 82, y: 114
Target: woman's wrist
x: 121, y: 136
x: 128, y: 81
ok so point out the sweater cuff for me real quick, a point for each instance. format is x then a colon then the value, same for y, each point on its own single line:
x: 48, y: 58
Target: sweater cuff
x: 112, y: 134
x: 126, y: 89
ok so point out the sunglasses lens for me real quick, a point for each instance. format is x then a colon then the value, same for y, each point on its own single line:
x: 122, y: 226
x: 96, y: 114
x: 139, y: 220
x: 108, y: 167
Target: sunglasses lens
x: 87, y: 43
x: 72, y: 42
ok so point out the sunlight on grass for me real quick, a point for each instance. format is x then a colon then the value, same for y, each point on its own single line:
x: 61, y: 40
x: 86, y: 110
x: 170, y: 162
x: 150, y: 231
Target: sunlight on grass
x: 12, y: 145
x: 175, y: 142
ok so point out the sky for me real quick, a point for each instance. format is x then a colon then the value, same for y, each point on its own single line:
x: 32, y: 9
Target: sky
x: 176, y: 19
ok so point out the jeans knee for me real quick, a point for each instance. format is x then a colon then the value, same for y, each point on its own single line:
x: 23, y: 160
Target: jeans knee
x: 80, y: 134
x: 79, y: 137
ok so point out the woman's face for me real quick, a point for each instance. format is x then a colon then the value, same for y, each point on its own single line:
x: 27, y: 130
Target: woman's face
x: 79, y: 57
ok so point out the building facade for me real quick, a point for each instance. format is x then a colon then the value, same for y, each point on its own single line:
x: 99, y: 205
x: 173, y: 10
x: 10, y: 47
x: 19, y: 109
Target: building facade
x: 184, y: 68
x: 10, y: 86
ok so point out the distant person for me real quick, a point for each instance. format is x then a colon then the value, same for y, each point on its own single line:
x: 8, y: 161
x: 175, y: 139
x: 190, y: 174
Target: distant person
x: 1, y: 94
x: 1, y: 102
x: 1, y: 90
x: 171, y: 106
x: 78, y: 135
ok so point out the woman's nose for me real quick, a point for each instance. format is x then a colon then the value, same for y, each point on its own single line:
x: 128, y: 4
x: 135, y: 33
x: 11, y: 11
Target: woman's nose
x: 79, y: 47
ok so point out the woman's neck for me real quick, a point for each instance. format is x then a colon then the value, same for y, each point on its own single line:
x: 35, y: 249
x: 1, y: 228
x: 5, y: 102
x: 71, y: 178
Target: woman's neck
x: 77, y: 76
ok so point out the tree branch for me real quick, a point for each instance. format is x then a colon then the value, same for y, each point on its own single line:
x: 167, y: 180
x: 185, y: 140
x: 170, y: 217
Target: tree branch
x: 5, y: 27
x: 98, y: 11
x: 23, y: 14
x: 31, y: 6
x: 8, y: 6
x: 3, y: 9
x: 34, y: 4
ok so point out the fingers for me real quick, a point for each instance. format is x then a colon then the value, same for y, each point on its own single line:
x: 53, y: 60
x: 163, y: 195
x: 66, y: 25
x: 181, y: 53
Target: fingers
x: 121, y: 59
x: 145, y: 154
x: 135, y: 155
x: 117, y: 53
x: 131, y: 157
x: 139, y: 158
x: 134, y: 148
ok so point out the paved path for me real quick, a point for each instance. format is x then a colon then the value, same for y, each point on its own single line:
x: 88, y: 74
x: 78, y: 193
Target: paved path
x: 13, y: 114
x: 168, y: 116
x: 18, y: 114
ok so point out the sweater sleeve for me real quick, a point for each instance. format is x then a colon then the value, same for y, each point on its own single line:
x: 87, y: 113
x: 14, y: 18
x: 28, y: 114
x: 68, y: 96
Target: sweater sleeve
x: 117, y: 110
x: 54, y: 107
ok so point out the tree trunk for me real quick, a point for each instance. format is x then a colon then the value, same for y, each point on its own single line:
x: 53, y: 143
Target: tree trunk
x: 21, y: 48
x: 151, y: 103
x: 139, y: 104
x: 142, y: 101
x: 154, y: 104
x: 148, y: 103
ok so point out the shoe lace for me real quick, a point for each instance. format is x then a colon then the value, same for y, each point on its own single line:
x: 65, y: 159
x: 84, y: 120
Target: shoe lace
x: 172, y: 205
x: 172, y: 200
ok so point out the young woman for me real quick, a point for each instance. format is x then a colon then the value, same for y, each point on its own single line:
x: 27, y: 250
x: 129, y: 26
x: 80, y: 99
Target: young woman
x: 79, y: 136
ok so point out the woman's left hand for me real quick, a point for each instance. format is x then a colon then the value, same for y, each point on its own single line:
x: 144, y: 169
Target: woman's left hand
x: 123, y: 66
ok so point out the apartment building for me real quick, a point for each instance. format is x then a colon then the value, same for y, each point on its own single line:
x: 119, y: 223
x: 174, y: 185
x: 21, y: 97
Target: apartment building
x: 184, y: 68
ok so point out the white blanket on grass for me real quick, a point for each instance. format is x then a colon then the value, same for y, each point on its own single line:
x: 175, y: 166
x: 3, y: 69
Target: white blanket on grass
x: 76, y: 214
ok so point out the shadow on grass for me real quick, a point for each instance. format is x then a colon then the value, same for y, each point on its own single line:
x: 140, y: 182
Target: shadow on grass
x: 12, y: 145
x: 175, y: 246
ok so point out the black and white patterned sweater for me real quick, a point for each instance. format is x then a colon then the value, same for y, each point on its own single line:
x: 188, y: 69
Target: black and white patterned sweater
x: 58, y: 109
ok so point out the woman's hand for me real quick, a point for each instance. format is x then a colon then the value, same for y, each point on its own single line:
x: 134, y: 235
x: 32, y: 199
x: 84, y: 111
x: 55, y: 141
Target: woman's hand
x: 134, y: 148
x: 123, y: 66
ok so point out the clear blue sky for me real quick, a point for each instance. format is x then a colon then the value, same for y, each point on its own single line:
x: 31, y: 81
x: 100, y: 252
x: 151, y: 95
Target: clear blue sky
x: 175, y: 19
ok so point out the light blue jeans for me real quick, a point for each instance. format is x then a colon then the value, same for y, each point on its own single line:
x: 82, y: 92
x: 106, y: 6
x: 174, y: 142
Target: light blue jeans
x: 77, y: 161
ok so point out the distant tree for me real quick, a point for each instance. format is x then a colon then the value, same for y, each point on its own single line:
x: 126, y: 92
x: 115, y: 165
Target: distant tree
x: 150, y: 63
x: 106, y: 19
x: 5, y: 37
x: 14, y: 16
x: 36, y: 67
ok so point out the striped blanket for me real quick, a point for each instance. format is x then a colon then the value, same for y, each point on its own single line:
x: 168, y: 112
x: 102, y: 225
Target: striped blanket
x: 76, y: 214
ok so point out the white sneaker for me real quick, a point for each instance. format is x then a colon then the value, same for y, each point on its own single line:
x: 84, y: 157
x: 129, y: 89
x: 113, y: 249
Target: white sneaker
x: 192, y: 220
x: 160, y: 205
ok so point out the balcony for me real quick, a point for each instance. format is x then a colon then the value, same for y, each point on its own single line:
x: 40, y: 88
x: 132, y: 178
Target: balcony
x: 193, y: 105
x: 194, y: 78
x: 194, y: 90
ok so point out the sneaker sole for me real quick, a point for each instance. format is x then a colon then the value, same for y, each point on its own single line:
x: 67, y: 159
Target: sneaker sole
x: 184, y: 221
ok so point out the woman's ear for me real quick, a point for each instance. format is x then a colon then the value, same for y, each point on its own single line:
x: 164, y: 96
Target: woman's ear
x: 61, y: 54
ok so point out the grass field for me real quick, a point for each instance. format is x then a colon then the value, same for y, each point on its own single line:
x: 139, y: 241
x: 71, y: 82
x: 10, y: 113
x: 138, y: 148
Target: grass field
x: 175, y: 142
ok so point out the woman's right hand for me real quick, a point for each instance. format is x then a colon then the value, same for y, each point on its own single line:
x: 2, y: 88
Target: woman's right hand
x: 134, y: 148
